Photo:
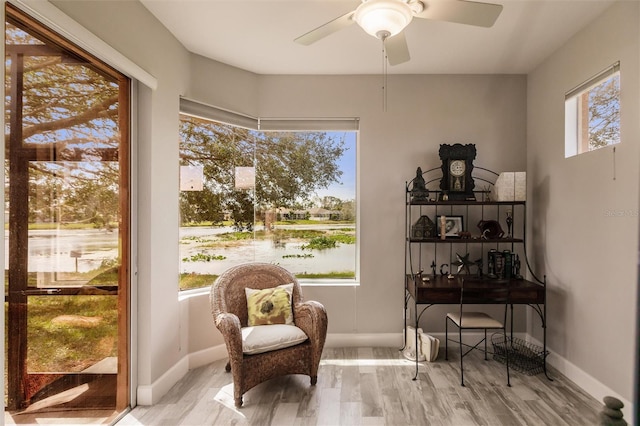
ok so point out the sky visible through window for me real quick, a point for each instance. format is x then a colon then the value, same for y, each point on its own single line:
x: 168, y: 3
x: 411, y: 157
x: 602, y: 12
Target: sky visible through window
x: 346, y: 189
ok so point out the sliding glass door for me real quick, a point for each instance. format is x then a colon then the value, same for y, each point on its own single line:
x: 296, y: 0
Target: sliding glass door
x: 67, y: 224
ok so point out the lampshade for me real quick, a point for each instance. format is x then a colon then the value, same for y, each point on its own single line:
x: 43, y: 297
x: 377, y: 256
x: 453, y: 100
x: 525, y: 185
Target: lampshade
x: 383, y: 18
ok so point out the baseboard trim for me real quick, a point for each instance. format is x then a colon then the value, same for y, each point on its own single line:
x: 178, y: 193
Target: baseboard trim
x: 337, y: 340
x: 151, y: 394
x: 207, y: 356
x: 585, y: 381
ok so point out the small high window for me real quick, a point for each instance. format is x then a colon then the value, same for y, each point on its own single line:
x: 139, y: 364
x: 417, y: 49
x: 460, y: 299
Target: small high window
x: 592, y: 113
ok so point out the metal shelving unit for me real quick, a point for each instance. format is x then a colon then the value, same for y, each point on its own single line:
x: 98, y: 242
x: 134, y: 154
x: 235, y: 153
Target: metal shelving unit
x: 435, y: 266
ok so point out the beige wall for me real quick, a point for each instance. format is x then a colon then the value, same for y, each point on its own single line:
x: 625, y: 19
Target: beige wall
x: 422, y: 112
x: 588, y: 255
x: 232, y: 89
x: 507, y: 118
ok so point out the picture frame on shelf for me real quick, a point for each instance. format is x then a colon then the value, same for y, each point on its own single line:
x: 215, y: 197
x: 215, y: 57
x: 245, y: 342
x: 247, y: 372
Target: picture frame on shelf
x: 453, y: 225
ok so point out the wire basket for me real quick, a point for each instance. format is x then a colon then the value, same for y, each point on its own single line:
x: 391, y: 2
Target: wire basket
x: 524, y: 357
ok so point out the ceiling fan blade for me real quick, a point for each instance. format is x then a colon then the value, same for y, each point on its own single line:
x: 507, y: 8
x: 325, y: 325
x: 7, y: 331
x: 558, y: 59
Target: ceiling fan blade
x: 462, y: 12
x: 326, y: 29
x: 397, y: 49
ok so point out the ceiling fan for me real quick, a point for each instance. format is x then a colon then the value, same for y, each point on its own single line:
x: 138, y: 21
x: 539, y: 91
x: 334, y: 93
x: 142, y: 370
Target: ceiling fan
x: 385, y: 20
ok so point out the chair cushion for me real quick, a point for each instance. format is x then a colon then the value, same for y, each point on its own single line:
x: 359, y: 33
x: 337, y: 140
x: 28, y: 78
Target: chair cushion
x: 264, y: 338
x: 270, y: 306
x: 474, y: 320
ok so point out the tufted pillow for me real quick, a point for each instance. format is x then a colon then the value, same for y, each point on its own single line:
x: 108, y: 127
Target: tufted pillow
x: 270, y: 306
x: 260, y: 339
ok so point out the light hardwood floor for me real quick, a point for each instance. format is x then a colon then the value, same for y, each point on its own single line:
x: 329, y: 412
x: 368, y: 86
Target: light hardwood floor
x: 374, y: 386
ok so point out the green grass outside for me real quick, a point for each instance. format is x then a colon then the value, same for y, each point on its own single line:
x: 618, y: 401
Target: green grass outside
x: 190, y: 281
x: 55, y: 346
x: 58, y: 346
x: 330, y: 275
x: 73, y: 345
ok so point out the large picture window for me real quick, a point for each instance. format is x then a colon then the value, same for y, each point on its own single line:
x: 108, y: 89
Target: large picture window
x: 592, y: 113
x: 282, y: 197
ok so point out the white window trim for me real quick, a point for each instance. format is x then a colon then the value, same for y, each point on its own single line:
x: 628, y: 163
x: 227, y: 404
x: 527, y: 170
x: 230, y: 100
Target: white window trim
x: 572, y: 119
x: 571, y: 124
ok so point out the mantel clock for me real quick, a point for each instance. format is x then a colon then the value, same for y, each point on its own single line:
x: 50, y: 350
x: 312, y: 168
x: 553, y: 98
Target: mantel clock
x: 457, y: 166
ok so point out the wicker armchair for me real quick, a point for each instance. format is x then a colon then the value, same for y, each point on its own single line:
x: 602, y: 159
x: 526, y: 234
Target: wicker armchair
x: 229, y: 309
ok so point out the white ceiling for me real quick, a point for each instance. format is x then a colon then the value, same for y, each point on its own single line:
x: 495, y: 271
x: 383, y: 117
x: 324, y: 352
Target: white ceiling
x: 257, y: 35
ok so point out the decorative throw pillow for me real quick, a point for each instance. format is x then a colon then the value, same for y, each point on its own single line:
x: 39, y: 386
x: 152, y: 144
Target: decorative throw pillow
x: 270, y: 306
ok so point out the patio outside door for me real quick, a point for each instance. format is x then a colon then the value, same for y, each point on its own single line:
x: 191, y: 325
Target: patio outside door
x: 67, y: 216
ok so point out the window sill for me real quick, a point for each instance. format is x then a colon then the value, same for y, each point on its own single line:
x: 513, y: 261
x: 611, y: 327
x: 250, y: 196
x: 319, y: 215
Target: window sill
x: 329, y: 283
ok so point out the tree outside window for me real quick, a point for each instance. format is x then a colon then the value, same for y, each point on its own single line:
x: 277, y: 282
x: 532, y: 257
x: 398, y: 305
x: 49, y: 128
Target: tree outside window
x: 592, y: 113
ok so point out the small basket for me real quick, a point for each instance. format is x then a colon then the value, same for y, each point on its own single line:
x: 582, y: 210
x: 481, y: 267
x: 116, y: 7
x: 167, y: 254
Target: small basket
x: 524, y: 357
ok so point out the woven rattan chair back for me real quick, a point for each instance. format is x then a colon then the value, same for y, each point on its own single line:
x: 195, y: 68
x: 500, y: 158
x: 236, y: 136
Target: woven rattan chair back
x: 228, y: 291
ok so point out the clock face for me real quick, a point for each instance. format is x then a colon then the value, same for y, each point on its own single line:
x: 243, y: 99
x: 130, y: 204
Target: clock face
x: 457, y: 167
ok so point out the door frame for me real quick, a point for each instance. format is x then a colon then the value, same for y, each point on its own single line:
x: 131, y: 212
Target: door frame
x: 123, y: 391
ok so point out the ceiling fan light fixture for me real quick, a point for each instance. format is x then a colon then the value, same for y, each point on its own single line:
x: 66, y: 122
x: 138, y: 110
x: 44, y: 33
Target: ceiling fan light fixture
x: 383, y: 18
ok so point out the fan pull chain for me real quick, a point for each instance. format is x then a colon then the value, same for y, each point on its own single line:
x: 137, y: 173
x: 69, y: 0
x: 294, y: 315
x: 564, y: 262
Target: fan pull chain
x: 614, y: 163
x: 384, y: 78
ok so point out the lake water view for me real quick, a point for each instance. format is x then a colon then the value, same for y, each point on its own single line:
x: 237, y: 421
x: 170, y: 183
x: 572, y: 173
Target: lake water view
x: 86, y: 249
x: 68, y: 250
x: 192, y: 240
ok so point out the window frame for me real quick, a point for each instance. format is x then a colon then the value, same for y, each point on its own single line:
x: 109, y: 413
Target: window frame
x: 22, y: 17
x: 201, y: 110
x: 576, y: 113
